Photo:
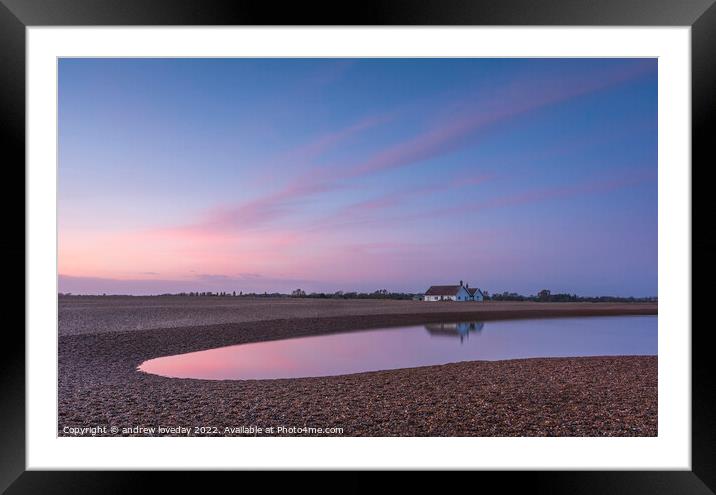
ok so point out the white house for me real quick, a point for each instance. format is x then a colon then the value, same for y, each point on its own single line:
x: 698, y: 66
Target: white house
x: 475, y: 294
x: 452, y: 293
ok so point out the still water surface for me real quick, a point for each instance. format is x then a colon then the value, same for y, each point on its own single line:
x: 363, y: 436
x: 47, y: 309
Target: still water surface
x: 408, y: 347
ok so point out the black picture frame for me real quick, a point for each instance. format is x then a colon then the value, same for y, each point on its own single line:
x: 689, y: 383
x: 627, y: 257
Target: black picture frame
x: 700, y: 15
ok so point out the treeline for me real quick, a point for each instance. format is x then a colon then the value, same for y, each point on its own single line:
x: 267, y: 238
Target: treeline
x: 547, y: 296
x: 379, y: 294
x: 297, y: 293
x: 175, y: 294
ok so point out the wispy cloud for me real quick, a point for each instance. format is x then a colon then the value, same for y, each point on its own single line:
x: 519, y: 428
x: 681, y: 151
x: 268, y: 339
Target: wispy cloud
x: 262, y: 210
x: 517, y: 99
x: 330, y: 140
x: 375, y: 210
x: 307, y: 153
x: 472, y: 179
x: 357, y: 216
x: 446, y: 136
x: 284, y: 201
x: 550, y: 193
x: 330, y: 73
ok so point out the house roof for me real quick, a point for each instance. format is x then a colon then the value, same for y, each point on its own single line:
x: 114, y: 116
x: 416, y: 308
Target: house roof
x: 473, y: 290
x: 443, y: 290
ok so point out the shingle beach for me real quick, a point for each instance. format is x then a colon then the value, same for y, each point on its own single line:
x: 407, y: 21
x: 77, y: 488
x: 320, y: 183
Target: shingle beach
x: 102, y: 340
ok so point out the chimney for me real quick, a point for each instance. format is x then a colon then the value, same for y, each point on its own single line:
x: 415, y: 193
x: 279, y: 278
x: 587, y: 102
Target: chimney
x: 467, y: 286
x: 460, y: 283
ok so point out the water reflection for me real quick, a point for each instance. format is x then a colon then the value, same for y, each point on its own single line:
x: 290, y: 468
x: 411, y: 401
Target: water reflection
x: 408, y: 347
x: 461, y: 329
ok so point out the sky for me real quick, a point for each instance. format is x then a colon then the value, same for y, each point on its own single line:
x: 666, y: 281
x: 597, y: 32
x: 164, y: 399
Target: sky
x: 270, y: 175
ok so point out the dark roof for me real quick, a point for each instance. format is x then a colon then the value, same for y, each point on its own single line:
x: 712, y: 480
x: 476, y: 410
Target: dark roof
x: 442, y: 290
x: 472, y: 290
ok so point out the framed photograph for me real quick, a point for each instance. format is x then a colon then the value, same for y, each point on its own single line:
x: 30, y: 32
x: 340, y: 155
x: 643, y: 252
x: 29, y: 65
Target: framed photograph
x: 442, y: 236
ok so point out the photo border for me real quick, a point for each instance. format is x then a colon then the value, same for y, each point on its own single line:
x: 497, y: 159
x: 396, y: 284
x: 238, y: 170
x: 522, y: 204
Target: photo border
x: 16, y: 15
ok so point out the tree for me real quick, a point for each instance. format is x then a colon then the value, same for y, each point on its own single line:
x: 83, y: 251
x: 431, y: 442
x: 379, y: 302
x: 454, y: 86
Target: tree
x: 543, y: 295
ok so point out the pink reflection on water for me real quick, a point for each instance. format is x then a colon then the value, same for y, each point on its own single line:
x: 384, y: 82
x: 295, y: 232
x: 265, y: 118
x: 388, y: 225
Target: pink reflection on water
x: 385, y: 349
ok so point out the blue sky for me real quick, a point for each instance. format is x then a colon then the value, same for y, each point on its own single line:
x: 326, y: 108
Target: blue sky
x: 358, y: 174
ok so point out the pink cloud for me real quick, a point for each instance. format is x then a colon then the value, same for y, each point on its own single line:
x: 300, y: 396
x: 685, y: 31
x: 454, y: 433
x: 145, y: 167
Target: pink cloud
x: 591, y: 187
x: 312, y: 150
x: 329, y: 74
x: 262, y: 210
x: 472, y: 179
x: 330, y: 140
x: 373, y: 211
x: 546, y: 194
x: 517, y: 99
x: 275, y: 205
x: 346, y: 219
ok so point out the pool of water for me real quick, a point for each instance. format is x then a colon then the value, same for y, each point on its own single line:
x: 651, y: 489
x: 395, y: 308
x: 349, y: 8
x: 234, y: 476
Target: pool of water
x: 409, y: 347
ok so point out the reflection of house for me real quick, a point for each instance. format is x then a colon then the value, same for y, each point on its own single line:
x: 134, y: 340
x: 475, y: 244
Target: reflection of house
x: 453, y: 293
x: 461, y: 329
